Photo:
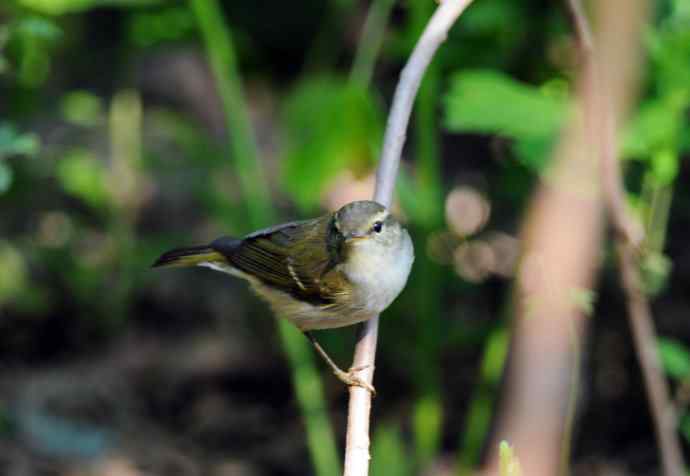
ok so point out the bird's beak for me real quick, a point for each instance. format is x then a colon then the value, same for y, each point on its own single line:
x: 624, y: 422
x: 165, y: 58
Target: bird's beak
x: 355, y: 236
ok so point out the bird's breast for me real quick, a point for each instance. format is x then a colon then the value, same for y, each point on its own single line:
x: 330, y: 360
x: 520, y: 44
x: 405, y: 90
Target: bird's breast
x: 378, y: 274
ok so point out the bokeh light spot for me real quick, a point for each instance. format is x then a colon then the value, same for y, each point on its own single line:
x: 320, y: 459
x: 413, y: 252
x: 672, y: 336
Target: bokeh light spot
x: 467, y: 211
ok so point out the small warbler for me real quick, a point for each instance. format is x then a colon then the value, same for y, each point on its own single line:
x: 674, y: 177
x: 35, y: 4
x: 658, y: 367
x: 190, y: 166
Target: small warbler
x: 327, y: 272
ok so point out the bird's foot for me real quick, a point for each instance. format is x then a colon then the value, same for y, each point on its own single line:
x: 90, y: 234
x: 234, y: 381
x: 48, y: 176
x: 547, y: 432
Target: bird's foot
x: 350, y: 378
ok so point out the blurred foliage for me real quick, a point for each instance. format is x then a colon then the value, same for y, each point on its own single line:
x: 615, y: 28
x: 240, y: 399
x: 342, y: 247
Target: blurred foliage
x: 82, y: 108
x: 489, y: 102
x: 480, y: 410
x: 115, y: 144
x: 150, y: 28
x: 27, y: 44
x: 61, y: 7
x: 675, y: 357
x: 82, y: 176
x: 12, y: 142
x: 331, y: 126
x: 392, y: 459
x: 246, y: 163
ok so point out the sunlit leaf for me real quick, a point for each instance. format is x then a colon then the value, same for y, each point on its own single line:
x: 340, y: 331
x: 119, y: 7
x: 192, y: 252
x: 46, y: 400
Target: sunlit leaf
x: 82, y: 108
x: 680, y: 11
x: 654, y: 126
x: 669, y: 50
x: 665, y: 166
x: 675, y: 358
x: 83, y: 176
x: 331, y: 126
x: 490, y: 102
x: 60, y: 7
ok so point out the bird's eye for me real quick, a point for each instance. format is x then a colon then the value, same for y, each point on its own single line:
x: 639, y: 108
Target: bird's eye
x: 378, y: 226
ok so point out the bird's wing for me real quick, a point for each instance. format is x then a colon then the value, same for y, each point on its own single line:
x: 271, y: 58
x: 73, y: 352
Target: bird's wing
x: 297, y: 258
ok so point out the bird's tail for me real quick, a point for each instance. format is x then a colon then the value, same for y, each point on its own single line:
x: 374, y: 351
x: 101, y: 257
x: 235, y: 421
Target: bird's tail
x: 192, y: 256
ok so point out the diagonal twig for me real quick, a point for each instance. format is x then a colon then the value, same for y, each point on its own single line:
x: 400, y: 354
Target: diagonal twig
x: 357, y: 442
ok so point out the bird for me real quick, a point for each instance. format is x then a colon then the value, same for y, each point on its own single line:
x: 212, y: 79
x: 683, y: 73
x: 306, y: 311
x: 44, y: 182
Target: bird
x: 336, y: 270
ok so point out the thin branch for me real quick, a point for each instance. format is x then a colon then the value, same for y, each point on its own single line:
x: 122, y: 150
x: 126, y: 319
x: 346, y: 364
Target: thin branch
x: 642, y: 324
x: 357, y: 443
x: 600, y: 115
x: 410, y: 78
x: 370, y: 41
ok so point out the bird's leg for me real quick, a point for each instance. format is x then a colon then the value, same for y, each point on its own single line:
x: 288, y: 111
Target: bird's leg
x: 348, y: 378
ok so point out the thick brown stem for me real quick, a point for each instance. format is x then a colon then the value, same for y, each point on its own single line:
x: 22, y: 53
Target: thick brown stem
x: 601, y: 114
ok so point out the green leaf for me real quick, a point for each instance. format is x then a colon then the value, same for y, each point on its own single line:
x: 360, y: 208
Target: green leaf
x: 82, y: 108
x: 655, y: 126
x: 83, y: 176
x: 490, y: 102
x: 60, y: 7
x: 655, y: 268
x: 331, y: 126
x: 680, y: 11
x: 533, y: 152
x: 389, y: 455
x: 12, y: 142
x: 675, y: 358
x: 665, y: 166
x: 669, y: 50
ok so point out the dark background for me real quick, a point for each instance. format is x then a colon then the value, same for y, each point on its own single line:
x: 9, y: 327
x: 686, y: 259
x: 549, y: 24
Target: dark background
x: 114, y: 147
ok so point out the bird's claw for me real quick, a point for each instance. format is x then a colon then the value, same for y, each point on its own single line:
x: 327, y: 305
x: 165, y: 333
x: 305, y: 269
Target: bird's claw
x: 350, y: 378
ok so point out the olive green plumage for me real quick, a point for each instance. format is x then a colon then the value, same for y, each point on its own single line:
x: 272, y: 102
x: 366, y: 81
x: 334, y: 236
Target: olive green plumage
x: 332, y: 271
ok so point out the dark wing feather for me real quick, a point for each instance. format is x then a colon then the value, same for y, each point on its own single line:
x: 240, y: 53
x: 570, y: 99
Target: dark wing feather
x: 294, y: 257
